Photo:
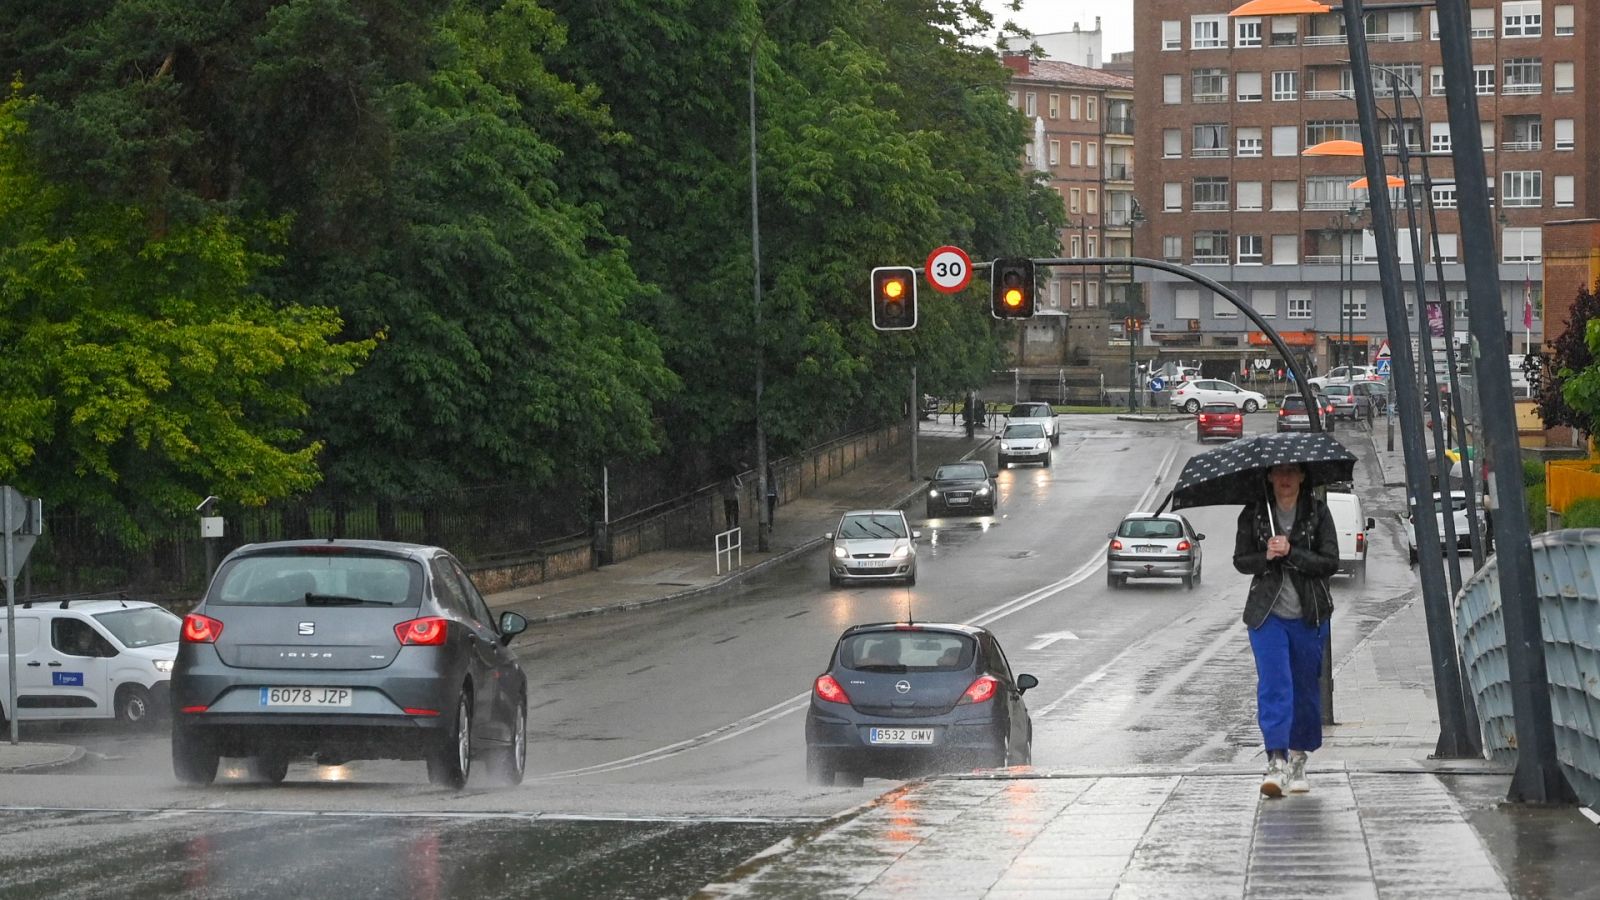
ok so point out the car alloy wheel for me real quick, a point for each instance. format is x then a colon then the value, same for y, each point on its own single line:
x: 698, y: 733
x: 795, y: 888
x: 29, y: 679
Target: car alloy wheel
x: 1251, y: 406
x: 1192, y: 407
x: 450, y: 763
x: 509, y: 763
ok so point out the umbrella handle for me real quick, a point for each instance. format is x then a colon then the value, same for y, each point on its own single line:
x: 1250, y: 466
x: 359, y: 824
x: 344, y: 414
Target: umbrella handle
x: 1166, y: 500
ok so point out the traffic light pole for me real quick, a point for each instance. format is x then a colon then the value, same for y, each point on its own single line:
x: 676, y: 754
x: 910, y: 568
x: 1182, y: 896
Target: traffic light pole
x: 1133, y: 372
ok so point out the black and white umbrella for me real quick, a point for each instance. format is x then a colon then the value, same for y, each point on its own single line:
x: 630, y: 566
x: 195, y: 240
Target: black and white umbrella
x: 1236, y: 472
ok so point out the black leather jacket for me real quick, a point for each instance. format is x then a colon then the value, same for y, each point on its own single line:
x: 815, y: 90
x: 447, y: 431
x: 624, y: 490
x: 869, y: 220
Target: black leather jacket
x: 1312, y: 560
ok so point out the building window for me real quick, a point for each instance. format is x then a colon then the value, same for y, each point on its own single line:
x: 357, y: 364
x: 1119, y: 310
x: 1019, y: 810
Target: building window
x: 1172, y: 89
x: 1222, y: 308
x: 1247, y: 32
x: 1486, y: 136
x: 1075, y: 198
x: 1564, y: 22
x: 1015, y: 103
x: 1027, y: 152
x: 1521, y: 18
x: 1075, y: 153
x: 1207, y: 32
x: 1094, y: 292
x: 1091, y: 108
x: 1091, y: 154
x: 1210, y: 248
x: 1522, y: 188
x: 1564, y: 133
x: 1172, y: 197
x: 1210, y: 193
x: 1077, y: 299
x: 1249, y: 145
x: 1210, y: 140
x: 1074, y: 104
x: 1171, y: 143
x: 1285, y: 196
x: 1523, y: 75
x: 1055, y: 294
x: 1285, y: 30
x: 1209, y: 86
x: 1355, y: 306
x: 1448, y: 251
x: 1319, y: 130
x: 1032, y: 104
x: 1482, y: 23
x: 1564, y: 75
x: 1483, y: 79
x: 1249, y: 87
x: 1285, y: 249
x: 1250, y: 250
x: 1563, y: 188
x: 1055, y: 106
x: 1521, y: 245
x: 1329, y: 192
x: 1265, y: 303
x: 1439, y: 137
x: 1249, y: 196
x: 1186, y: 304
x: 1444, y: 196
x: 1172, y: 248
x: 1091, y: 200
x: 1055, y: 153
x: 1171, y: 35
x: 1524, y: 133
x: 1299, y: 303
x: 1286, y: 85
x: 1285, y: 140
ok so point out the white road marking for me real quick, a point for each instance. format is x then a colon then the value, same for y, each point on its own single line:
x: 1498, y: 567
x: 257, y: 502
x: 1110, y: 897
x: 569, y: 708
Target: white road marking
x: 1048, y: 638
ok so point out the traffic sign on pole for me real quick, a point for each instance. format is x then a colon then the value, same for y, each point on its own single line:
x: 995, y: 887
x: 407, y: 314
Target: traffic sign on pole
x: 1383, y: 350
x: 949, y: 269
x: 1382, y: 366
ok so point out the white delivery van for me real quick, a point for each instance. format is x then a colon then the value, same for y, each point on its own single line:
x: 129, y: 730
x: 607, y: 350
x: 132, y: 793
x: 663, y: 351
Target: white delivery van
x: 89, y: 659
x: 1352, y: 523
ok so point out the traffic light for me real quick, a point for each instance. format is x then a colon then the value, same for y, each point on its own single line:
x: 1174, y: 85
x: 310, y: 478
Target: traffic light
x: 1012, y: 283
x: 1132, y: 325
x: 894, y: 298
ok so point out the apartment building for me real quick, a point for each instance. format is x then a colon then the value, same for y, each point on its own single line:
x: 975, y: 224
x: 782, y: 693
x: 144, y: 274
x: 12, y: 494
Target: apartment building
x: 1229, y: 105
x: 1084, y: 140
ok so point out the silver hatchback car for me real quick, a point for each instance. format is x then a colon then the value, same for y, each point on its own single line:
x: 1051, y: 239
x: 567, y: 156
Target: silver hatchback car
x: 1147, y: 545
x: 347, y: 650
x: 872, y: 545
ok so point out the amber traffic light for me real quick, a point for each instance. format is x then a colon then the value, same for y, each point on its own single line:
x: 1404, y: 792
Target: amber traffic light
x: 894, y: 298
x: 1013, y: 288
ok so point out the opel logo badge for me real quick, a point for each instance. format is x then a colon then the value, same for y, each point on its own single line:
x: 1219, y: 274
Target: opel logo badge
x: 903, y: 687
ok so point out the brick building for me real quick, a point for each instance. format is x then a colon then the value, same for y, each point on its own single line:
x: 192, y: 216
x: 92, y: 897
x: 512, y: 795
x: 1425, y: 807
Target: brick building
x: 1228, y: 105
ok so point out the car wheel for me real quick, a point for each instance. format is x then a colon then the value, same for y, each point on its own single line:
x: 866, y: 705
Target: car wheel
x: 1251, y: 406
x: 194, y: 759
x: 450, y: 762
x: 1192, y: 407
x: 819, y: 767
x: 929, y: 512
x: 833, y: 580
x: 912, y: 578
x: 1002, y: 465
x: 1055, y: 439
x: 508, y: 763
x: 133, y: 705
x: 1046, y: 463
x: 269, y: 767
x: 1188, y: 582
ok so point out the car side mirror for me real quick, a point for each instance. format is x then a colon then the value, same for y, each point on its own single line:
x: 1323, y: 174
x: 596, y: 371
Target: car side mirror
x: 1199, y: 537
x: 916, y: 535
x: 927, y: 478
x: 1026, y: 682
x: 511, y: 625
x: 1371, y: 524
x: 827, y: 535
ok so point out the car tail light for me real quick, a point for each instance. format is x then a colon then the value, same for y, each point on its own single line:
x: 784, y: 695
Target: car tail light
x: 982, y: 690
x: 1116, y: 544
x: 198, y: 629
x: 428, y: 631
x: 1361, y: 541
x: 1282, y: 411
x: 828, y: 689
x: 419, y: 711
x: 193, y: 709
x: 1184, y: 545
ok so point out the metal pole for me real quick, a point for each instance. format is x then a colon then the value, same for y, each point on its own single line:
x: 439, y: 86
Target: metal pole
x: 11, y: 616
x: 916, y: 422
x: 1133, y: 373
x: 1453, y: 740
x: 1538, y: 777
x: 763, y: 525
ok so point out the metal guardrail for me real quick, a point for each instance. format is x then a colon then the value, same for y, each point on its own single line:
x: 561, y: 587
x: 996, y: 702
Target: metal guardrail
x: 1567, y: 568
x: 730, y: 544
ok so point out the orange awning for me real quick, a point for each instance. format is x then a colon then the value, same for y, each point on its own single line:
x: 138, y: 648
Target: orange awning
x: 1280, y: 8
x: 1292, y: 338
x: 1394, y: 181
x: 1337, y: 147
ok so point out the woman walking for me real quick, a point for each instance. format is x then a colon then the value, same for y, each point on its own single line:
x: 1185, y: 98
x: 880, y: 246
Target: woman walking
x: 1287, y: 542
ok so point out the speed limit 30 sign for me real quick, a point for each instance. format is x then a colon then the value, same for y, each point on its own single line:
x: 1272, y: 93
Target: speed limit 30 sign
x: 949, y: 269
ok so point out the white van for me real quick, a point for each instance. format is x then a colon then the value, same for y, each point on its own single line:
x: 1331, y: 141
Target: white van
x: 90, y: 659
x: 1352, y: 523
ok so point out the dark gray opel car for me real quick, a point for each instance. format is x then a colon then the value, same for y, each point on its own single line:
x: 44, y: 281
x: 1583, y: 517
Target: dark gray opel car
x: 345, y: 650
x: 898, y: 699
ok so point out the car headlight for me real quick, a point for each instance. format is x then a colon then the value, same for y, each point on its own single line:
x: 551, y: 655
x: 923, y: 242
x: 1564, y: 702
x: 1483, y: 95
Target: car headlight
x: 163, y: 665
x: 839, y: 552
x: 933, y: 492
x: 901, y: 552
x: 1005, y: 446
x: 983, y: 492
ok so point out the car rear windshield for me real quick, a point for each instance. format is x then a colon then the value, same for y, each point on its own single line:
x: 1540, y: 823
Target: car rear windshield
x: 1294, y: 403
x: 872, y: 526
x: 141, y: 626
x: 318, y: 579
x: 1219, y: 408
x: 963, y: 472
x: 1336, y: 390
x: 1030, y: 410
x: 1024, y: 431
x: 906, y: 651
x: 1150, y: 528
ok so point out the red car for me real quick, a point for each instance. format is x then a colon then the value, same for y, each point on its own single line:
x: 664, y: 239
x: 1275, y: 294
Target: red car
x: 1219, y: 420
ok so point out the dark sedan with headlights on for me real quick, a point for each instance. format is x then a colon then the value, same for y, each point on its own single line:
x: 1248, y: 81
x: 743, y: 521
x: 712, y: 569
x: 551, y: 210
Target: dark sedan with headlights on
x: 341, y: 650
x: 898, y: 699
x: 962, y: 488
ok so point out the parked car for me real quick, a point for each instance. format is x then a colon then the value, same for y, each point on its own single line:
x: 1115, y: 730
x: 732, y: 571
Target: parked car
x: 1345, y: 374
x: 929, y: 408
x: 89, y: 659
x: 1191, y: 395
x: 1346, y: 402
x: 1352, y: 524
x: 962, y: 488
x: 1219, y: 420
x: 1038, y: 412
x: 872, y: 545
x: 342, y: 649
x: 1025, y: 442
x: 1151, y: 545
x: 1292, y: 414
x: 898, y: 699
x: 1458, y: 512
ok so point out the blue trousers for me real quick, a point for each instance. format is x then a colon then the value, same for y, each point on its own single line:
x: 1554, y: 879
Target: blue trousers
x: 1288, y: 656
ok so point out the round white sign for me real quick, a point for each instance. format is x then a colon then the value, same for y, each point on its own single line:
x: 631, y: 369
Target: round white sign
x: 949, y: 269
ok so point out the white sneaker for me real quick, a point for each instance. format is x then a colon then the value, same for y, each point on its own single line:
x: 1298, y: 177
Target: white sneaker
x: 1297, y: 773
x: 1272, y: 784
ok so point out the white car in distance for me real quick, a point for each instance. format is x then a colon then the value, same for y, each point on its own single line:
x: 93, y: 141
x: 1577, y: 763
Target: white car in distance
x: 1191, y: 395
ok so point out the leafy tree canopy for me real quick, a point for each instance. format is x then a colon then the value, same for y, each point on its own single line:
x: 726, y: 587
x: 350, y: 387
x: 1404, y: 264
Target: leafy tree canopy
x: 1569, y: 391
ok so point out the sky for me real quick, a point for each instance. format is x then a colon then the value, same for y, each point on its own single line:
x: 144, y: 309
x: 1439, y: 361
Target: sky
x: 1045, y: 16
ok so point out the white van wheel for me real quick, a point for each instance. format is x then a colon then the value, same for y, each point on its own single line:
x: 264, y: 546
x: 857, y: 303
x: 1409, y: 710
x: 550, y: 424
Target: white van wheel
x: 133, y: 705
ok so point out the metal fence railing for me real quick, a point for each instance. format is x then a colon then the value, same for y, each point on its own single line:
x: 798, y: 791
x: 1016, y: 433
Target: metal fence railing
x: 1567, y: 568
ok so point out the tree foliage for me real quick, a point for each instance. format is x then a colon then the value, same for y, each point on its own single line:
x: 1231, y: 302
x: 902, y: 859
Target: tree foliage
x: 1569, y: 390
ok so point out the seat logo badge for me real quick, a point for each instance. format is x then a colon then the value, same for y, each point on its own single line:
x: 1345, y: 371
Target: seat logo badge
x: 903, y: 687
x: 307, y: 628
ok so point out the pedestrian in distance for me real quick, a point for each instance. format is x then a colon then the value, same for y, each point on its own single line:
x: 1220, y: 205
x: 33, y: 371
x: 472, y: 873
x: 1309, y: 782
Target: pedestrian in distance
x: 772, y: 493
x: 731, y: 487
x: 1287, y: 543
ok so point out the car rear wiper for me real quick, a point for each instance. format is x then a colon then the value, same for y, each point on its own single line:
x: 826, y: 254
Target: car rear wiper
x: 340, y: 600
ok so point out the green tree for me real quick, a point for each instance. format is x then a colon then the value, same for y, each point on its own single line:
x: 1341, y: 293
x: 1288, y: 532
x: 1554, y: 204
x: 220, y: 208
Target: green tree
x: 142, y: 371
x: 1569, y: 388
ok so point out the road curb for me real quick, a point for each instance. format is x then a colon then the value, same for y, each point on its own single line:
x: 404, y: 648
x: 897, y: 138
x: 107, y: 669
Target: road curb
x: 72, y: 754
x: 1155, y: 417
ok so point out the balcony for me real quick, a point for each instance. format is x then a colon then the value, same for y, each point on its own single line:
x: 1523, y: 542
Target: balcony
x: 1120, y: 125
x: 1328, y: 95
x: 1521, y: 146
x: 1324, y: 40
x: 1119, y: 172
x: 1513, y: 89
x: 1209, y: 153
x: 1209, y: 98
x: 1208, y: 260
x: 1209, y: 206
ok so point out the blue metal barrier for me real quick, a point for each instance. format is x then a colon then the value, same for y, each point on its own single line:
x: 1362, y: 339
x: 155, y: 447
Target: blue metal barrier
x: 1567, y: 566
